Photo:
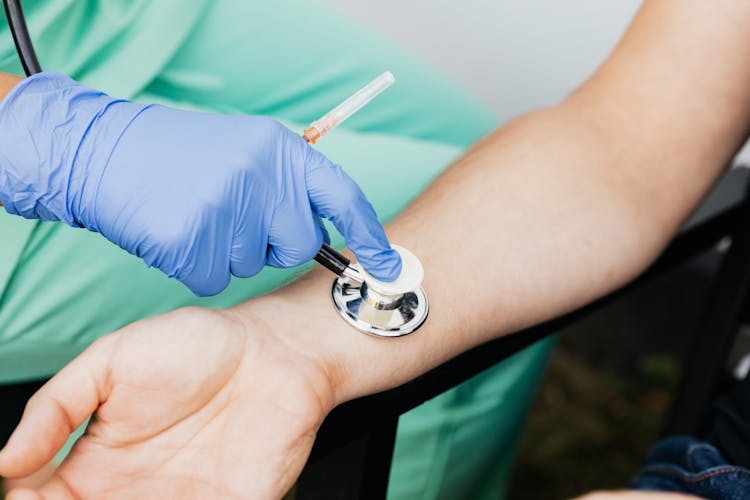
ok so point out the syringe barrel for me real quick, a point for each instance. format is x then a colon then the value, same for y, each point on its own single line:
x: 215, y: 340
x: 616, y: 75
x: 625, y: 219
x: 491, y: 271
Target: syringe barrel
x: 352, y: 104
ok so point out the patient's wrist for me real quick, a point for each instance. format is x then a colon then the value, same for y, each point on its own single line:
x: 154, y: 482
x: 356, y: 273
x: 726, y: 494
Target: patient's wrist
x: 302, y: 316
x: 296, y: 322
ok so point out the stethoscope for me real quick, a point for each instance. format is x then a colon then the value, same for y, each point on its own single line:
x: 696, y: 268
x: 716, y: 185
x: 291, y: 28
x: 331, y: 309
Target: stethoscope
x: 366, y: 304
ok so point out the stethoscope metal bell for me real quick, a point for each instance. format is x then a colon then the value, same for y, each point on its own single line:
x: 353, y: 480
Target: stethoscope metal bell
x: 382, y: 313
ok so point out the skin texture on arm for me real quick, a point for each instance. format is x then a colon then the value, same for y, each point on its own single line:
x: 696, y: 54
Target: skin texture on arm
x: 551, y: 212
x: 564, y: 205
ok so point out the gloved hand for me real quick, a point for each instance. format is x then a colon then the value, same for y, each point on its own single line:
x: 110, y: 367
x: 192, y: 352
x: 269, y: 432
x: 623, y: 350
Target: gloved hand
x: 196, y: 195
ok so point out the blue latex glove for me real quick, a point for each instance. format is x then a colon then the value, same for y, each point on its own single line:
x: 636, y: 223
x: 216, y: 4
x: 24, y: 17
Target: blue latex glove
x: 196, y: 195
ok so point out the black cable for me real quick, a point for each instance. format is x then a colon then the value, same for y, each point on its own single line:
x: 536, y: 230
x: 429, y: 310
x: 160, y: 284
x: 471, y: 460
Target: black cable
x: 20, y: 32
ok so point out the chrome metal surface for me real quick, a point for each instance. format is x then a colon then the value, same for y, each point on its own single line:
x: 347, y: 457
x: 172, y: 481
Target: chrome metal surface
x: 380, y: 301
x: 352, y: 275
x: 382, y: 316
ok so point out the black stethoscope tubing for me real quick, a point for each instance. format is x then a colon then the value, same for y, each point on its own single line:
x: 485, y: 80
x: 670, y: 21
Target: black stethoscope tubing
x: 20, y: 32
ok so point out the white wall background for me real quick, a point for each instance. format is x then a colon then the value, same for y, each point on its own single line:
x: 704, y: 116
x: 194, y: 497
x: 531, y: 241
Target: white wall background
x: 515, y: 54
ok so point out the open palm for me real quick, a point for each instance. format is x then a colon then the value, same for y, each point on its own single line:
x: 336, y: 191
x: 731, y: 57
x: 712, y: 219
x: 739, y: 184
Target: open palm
x: 193, y: 404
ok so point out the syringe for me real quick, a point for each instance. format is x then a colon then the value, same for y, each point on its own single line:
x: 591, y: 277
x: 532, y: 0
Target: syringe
x: 333, y: 118
x: 383, y: 309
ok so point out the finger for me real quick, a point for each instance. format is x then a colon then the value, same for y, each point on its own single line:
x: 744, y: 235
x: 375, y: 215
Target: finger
x: 205, y: 270
x: 207, y: 284
x: 335, y: 196
x: 35, y: 480
x: 248, y: 256
x: 250, y: 241
x: 23, y: 494
x: 295, y: 235
x: 55, y: 489
x: 57, y: 409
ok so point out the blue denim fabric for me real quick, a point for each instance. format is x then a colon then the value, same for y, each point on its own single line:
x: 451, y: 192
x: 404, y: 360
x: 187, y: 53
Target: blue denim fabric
x: 686, y: 465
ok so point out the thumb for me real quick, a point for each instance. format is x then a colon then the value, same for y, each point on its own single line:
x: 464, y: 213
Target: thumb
x: 56, y: 410
x: 335, y: 196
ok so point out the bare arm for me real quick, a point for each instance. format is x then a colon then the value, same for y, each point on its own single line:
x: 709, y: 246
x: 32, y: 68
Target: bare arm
x: 561, y: 206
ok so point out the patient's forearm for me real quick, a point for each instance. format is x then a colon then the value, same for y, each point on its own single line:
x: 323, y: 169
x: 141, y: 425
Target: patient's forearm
x: 560, y: 207
x: 518, y: 231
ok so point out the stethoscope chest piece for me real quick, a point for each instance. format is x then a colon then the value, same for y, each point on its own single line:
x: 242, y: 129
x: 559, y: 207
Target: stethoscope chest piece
x: 390, y: 309
x: 378, y: 314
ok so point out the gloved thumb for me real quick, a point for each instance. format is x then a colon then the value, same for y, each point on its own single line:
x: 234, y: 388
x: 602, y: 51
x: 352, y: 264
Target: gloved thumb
x: 335, y: 196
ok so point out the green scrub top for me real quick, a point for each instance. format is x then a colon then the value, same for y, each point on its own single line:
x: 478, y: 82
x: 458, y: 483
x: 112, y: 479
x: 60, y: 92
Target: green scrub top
x: 61, y: 288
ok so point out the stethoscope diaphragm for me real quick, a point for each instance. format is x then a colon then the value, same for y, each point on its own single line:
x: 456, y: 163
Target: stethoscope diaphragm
x: 384, y: 309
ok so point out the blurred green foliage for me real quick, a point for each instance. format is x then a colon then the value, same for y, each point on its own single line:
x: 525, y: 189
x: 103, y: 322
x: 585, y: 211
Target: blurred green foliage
x: 591, y: 426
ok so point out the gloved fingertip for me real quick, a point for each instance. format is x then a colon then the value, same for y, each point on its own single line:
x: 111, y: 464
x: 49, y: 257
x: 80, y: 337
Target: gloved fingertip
x: 207, y: 288
x: 300, y: 253
x: 384, y: 266
x: 244, y: 267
